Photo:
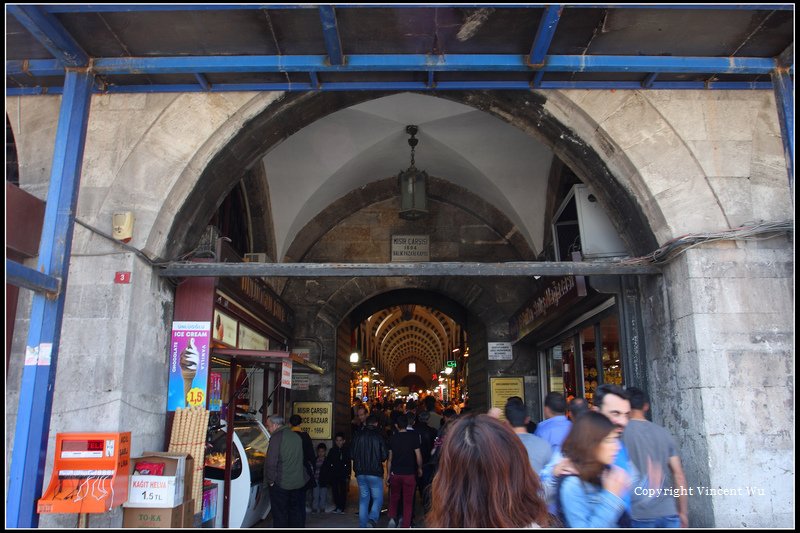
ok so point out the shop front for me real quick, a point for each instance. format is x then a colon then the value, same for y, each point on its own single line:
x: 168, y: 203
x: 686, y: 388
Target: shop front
x: 230, y: 356
x: 584, y: 356
x: 575, y: 330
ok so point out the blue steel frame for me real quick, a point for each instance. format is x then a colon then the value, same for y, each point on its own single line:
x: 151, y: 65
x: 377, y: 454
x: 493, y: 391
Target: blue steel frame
x: 51, y: 34
x: 784, y: 97
x: 403, y: 63
x: 38, y: 378
x: 44, y: 334
x: 28, y: 278
x: 119, y: 8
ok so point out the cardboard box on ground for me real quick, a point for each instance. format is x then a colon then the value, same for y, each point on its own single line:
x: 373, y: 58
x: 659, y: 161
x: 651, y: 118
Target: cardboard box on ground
x: 161, y: 501
x: 165, y: 491
x: 155, y: 517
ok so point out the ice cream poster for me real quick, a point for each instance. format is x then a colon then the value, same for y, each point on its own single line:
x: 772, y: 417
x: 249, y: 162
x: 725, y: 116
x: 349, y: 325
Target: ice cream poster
x: 188, y: 364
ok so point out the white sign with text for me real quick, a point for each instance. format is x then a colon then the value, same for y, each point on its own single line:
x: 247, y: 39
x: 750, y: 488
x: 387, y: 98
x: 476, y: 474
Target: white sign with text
x: 411, y: 248
x: 500, y: 351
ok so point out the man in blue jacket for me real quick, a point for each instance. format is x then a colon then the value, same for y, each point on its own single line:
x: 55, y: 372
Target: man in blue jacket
x: 556, y: 426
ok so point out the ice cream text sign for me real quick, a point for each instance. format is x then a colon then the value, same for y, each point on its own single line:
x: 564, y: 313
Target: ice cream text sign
x: 188, y: 364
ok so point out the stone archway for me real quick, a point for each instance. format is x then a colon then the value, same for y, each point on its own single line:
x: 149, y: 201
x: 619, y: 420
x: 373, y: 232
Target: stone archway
x: 333, y: 324
x: 550, y: 117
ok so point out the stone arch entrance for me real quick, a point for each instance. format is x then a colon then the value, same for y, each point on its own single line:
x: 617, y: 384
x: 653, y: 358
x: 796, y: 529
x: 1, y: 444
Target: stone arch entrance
x: 444, y: 296
x: 320, y: 308
x: 532, y: 112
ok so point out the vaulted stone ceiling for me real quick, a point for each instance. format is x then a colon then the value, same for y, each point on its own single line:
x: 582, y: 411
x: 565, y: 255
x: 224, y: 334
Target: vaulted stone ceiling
x: 399, y: 335
x: 353, y: 147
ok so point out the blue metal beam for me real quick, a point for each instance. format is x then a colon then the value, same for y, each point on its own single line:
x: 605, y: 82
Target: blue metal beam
x: 418, y: 62
x: 39, y: 372
x: 330, y: 33
x: 119, y: 8
x: 717, y: 7
x: 35, y: 67
x: 691, y: 65
x: 649, y: 80
x: 22, y: 276
x: 46, y: 29
x: 407, y: 86
x: 438, y: 63
x: 784, y: 98
x: 545, y: 34
x: 33, y: 91
x: 203, y: 81
x: 314, y: 79
x: 537, y: 79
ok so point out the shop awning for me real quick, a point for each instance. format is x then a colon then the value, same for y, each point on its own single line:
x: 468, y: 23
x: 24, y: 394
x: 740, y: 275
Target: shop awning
x: 268, y: 357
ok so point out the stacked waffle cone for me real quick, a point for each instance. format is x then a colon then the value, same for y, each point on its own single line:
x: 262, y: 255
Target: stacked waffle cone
x: 189, y: 436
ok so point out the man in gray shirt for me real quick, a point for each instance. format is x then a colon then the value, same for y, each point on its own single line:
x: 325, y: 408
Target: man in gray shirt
x: 652, y: 449
x: 539, y: 450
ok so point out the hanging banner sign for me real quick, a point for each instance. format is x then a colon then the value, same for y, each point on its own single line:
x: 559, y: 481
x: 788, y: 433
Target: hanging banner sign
x: 188, y: 364
x: 286, y: 374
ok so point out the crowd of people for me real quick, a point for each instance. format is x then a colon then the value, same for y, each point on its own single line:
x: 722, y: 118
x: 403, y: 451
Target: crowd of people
x: 598, y: 466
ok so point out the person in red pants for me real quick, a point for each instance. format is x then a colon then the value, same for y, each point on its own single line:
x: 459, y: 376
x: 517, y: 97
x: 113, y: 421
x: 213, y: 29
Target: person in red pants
x: 404, y: 466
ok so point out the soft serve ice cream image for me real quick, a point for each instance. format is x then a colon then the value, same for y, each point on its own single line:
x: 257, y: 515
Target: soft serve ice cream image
x: 190, y: 358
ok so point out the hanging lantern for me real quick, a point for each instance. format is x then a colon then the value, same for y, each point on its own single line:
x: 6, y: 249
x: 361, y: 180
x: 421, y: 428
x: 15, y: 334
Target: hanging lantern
x: 413, y: 185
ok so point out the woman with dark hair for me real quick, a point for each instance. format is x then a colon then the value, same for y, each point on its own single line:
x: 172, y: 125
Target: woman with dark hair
x: 592, y: 498
x: 485, y: 479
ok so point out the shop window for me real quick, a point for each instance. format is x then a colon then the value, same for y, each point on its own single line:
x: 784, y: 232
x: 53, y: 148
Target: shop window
x: 590, y: 371
x: 612, y: 365
x: 562, y: 368
x: 586, y: 357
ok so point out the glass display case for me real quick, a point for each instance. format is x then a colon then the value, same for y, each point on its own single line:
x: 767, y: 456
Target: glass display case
x: 255, y: 442
x: 215, y: 458
x: 249, y: 499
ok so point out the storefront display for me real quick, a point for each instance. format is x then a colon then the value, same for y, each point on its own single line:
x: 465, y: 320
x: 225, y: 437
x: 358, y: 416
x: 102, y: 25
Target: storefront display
x: 249, y: 498
x: 572, y: 363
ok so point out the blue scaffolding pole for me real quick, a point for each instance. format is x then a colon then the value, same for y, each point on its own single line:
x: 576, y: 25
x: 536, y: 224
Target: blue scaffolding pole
x: 784, y: 96
x: 39, y: 373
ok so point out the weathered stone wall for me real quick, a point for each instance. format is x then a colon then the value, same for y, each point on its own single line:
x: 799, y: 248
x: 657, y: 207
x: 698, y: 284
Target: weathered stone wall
x: 723, y: 383
x: 724, y: 379
x: 113, y: 356
x: 720, y: 356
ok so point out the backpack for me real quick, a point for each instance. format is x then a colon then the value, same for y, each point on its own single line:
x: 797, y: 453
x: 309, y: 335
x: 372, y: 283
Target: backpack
x: 559, y: 520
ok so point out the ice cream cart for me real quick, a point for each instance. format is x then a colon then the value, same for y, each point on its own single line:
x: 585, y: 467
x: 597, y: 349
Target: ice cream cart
x: 249, y: 497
